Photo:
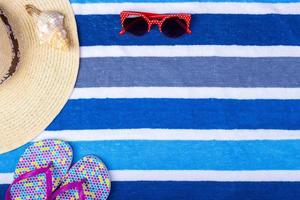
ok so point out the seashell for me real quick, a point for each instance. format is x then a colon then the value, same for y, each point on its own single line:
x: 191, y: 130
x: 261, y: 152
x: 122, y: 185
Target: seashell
x: 50, y: 27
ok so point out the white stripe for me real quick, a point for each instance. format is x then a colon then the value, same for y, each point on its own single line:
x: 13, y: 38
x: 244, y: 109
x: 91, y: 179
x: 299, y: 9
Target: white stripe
x: 193, y: 8
x: 203, y: 175
x: 190, y: 51
x: 193, y: 175
x: 6, y: 178
x: 188, y: 93
x: 170, y: 134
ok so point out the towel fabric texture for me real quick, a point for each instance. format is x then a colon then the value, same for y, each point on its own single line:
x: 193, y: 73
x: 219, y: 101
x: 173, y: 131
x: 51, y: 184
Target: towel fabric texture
x: 214, y: 115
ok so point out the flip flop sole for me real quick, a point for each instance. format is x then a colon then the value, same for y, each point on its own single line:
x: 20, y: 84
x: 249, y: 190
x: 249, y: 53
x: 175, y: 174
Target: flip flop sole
x: 38, y: 155
x: 93, y: 170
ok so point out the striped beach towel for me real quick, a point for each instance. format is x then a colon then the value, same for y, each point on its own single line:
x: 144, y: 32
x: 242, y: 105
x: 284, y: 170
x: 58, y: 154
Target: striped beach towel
x: 214, y: 115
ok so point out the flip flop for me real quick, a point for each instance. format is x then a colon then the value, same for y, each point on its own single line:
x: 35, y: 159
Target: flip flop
x: 88, y: 179
x: 40, y: 170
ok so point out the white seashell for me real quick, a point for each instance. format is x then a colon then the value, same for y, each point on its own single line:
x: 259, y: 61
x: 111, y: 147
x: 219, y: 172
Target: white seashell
x: 50, y: 26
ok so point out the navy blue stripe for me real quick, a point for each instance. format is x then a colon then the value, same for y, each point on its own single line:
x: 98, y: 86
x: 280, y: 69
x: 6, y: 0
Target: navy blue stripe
x: 201, y: 190
x: 178, y: 114
x: 3, y: 189
x: 182, y: 155
x: 205, y: 190
x: 208, y: 29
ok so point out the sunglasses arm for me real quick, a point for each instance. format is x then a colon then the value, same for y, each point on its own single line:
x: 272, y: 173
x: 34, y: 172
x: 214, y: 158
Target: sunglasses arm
x: 122, y: 32
x: 143, y: 13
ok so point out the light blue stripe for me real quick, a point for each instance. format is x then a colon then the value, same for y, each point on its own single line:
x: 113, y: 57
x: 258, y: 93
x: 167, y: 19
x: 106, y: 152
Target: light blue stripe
x: 245, y: 1
x: 184, y: 155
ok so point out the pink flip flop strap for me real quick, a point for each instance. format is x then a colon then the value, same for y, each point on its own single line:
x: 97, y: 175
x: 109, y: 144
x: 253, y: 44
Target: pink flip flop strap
x: 42, y: 170
x: 75, y: 185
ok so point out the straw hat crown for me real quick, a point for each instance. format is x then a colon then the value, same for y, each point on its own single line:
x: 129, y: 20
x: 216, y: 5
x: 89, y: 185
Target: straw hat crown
x: 36, y: 76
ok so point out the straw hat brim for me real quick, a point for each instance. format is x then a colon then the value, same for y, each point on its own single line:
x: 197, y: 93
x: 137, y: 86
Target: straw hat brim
x: 44, y: 80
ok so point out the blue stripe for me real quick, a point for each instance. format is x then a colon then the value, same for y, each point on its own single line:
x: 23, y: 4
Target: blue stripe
x: 178, y: 114
x: 120, y: 1
x: 3, y: 189
x: 188, y: 72
x: 183, y: 155
x: 208, y: 29
x: 201, y: 190
x: 205, y: 190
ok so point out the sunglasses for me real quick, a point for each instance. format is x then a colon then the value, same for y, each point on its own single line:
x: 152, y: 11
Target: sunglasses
x: 139, y: 23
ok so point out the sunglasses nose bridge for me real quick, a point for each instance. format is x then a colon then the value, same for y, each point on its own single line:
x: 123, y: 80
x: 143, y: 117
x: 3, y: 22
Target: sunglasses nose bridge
x: 155, y: 22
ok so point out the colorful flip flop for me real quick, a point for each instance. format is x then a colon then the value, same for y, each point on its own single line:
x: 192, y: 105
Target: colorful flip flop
x: 40, y: 170
x: 88, y: 179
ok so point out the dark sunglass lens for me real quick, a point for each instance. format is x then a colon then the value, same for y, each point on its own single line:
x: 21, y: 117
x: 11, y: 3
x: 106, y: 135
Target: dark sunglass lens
x: 136, y: 25
x: 174, y: 27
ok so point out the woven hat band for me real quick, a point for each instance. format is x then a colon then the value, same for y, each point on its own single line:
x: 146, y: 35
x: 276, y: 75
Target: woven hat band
x: 9, y: 51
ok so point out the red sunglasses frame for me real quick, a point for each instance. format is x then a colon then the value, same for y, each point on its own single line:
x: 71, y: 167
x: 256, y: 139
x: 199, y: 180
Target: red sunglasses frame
x: 155, y: 19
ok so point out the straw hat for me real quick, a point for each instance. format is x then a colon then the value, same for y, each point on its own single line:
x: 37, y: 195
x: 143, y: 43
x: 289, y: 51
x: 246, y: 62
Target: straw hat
x: 36, y: 79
